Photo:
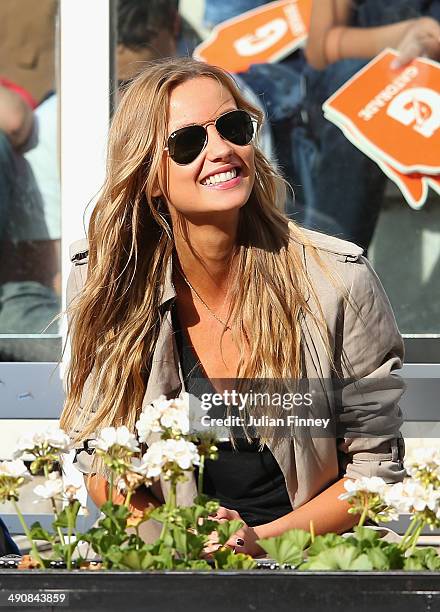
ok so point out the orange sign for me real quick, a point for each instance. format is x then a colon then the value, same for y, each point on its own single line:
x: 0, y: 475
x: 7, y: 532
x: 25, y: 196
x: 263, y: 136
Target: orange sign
x: 414, y: 186
x: 394, y: 118
x: 394, y: 113
x: 265, y: 34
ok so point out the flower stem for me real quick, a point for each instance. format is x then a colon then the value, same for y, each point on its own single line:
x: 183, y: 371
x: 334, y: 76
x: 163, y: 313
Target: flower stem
x: 415, y: 536
x: 110, y: 492
x: 413, y: 523
x: 312, y: 531
x: 54, y: 508
x: 35, y: 552
x: 69, y: 537
x: 200, y: 476
x: 364, y: 512
x: 170, y: 505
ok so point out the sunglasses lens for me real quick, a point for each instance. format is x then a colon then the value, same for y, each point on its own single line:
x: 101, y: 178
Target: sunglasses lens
x: 236, y: 126
x: 186, y: 144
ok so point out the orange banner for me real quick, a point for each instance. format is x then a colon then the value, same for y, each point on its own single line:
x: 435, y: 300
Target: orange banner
x: 396, y: 112
x: 393, y: 116
x: 265, y: 34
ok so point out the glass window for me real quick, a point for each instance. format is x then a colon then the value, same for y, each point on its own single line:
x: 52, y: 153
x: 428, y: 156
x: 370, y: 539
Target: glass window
x: 30, y: 227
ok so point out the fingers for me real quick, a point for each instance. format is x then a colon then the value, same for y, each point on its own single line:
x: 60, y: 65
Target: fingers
x: 226, y: 514
x: 237, y: 540
x: 422, y: 39
x: 407, y: 52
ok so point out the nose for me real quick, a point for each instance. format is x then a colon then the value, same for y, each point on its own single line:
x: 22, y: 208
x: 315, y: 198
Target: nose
x: 217, y: 147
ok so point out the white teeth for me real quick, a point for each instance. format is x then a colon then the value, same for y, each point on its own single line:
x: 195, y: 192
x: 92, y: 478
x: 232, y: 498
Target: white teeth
x: 221, y: 177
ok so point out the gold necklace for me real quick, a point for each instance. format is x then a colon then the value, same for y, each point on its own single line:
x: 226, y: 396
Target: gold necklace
x: 199, y: 297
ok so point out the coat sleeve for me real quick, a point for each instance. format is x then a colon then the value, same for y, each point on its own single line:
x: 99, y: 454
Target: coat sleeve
x: 370, y: 443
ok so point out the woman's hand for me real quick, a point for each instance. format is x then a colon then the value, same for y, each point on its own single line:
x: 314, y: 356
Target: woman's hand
x: 421, y: 39
x: 245, y: 534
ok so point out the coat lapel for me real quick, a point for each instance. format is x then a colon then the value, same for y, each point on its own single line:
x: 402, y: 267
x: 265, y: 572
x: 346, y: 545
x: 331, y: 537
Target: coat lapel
x: 166, y: 379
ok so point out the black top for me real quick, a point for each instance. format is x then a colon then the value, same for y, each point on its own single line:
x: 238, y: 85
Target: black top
x: 243, y: 479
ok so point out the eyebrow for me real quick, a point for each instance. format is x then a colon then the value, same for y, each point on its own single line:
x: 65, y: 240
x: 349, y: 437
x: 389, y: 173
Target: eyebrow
x: 179, y: 127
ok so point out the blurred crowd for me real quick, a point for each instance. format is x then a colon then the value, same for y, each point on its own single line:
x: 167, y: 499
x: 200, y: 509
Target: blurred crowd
x: 335, y: 187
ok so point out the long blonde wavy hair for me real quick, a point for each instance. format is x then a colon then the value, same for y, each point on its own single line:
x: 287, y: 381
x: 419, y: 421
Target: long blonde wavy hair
x: 115, y: 322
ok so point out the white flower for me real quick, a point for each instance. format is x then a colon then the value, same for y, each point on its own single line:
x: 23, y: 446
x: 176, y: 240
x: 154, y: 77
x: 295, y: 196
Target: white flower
x: 184, y: 454
x: 164, y: 414
x: 396, y: 497
x: 154, y: 460
x: 197, y: 426
x: 410, y: 496
x: 14, y: 469
x: 424, y: 457
x: 121, y: 485
x: 28, y: 442
x: 52, y: 487
x: 368, y: 485
x: 424, y: 464
x: 117, y: 436
x: 57, y: 438
x: 33, y: 443
x: 139, y: 466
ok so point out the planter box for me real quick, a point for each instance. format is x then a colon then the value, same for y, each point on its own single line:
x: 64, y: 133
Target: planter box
x: 230, y: 591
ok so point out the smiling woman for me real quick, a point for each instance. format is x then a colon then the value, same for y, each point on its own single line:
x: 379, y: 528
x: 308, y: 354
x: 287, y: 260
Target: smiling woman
x: 192, y: 275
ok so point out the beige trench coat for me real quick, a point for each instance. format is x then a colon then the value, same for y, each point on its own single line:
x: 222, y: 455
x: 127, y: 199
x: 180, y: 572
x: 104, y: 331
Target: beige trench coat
x: 371, y: 342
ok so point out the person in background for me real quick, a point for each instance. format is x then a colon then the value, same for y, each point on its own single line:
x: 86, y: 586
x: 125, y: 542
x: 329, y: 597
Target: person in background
x: 346, y: 188
x: 16, y: 121
x: 29, y: 293
x: 216, y: 12
x: 27, y: 44
x: 7, y: 544
x: 148, y: 30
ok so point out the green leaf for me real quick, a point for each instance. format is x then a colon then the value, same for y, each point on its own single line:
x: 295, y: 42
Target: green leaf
x: 361, y: 564
x: 61, y: 520
x: 324, y: 542
x: 298, y: 538
x: 240, y: 561
x: 136, y: 559
x: 413, y: 564
x: 186, y: 543
x: 282, y: 550
x: 433, y: 562
x: 364, y: 533
x: 394, y: 554
x: 39, y: 533
x: 423, y: 558
x: 226, y: 529
x: 378, y: 558
x: 220, y: 557
x: 69, y: 513
x: 159, y: 514
x: 198, y: 564
x: 225, y: 558
x: 192, y: 514
x: 342, y: 557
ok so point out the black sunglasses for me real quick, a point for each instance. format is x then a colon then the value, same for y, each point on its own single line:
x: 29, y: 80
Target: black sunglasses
x: 185, y: 144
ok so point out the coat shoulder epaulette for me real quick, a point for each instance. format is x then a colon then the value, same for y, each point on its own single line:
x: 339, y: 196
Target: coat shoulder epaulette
x: 342, y: 249
x: 79, y: 251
